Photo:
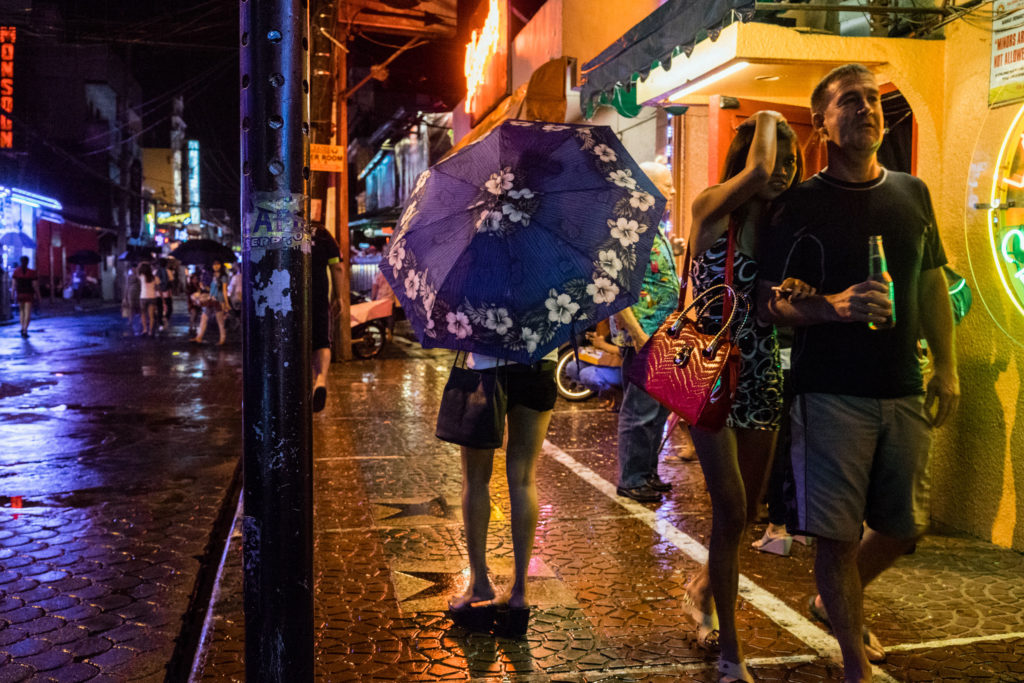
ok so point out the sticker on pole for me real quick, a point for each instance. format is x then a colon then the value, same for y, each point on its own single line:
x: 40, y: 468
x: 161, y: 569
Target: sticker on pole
x: 275, y: 221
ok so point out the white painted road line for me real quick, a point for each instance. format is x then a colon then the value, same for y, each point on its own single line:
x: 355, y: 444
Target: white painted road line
x: 778, y: 611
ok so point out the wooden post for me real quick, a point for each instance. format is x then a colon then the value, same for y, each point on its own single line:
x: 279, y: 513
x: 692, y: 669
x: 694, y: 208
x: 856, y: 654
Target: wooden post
x: 342, y: 348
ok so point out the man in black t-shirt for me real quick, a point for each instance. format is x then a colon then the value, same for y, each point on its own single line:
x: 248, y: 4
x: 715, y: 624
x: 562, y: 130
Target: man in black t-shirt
x: 325, y: 301
x: 862, y: 418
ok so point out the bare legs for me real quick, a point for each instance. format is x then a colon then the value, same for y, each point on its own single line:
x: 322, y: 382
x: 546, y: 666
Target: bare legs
x: 147, y: 317
x: 205, y: 320
x: 526, y: 430
x: 734, y: 462
x: 839, y: 583
x: 25, y: 315
x: 321, y: 364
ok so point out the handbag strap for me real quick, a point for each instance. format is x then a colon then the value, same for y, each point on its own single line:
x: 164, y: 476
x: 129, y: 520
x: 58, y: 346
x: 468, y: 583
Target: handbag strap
x: 730, y: 258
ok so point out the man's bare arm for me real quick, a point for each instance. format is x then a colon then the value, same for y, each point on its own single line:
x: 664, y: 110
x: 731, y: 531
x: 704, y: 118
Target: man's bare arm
x: 943, y: 389
x: 866, y: 301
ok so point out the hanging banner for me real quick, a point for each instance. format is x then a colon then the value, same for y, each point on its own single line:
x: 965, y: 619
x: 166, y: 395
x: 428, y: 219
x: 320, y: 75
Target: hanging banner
x: 1006, y: 70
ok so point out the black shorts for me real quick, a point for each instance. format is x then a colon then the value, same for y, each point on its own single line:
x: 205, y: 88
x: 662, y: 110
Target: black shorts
x: 530, y: 386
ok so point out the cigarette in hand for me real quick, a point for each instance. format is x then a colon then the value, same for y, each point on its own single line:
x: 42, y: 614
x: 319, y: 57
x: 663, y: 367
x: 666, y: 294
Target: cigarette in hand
x: 785, y: 293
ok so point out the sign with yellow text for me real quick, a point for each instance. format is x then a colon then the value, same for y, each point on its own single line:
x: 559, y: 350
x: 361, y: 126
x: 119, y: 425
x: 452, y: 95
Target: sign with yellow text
x: 1006, y: 70
x: 330, y: 158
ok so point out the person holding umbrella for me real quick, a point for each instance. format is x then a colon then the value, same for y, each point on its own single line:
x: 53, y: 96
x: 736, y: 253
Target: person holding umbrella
x: 507, y: 249
x: 26, y: 286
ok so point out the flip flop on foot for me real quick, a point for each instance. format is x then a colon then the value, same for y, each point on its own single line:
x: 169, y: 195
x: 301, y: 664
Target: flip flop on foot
x: 511, y: 622
x: 474, y: 616
x: 872, y: 646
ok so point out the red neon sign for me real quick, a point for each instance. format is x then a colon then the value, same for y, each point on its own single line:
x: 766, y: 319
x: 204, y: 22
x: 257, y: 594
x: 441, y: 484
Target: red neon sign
x: 8, y: 36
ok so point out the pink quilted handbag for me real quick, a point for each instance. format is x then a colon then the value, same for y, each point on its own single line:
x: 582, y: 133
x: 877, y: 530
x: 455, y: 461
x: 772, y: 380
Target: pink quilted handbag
x: 689, y: 372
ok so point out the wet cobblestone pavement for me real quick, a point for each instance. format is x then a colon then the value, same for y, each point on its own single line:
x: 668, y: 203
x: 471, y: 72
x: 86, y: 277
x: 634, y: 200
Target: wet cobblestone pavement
x: 118, y: 457
x: 117, y: 453
x: 608, y: 574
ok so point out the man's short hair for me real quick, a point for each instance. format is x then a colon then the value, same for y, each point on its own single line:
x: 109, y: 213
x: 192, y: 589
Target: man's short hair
x: 819, y: 98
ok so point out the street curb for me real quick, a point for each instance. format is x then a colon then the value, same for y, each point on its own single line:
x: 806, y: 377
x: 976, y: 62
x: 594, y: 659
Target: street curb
x: 179, y: 668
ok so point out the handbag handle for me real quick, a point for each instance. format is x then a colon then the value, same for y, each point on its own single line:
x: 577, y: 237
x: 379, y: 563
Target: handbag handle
x: 706, y: 298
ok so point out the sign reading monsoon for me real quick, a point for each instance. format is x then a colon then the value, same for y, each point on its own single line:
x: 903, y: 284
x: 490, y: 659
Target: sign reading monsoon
x: 275, y: 222
x: 8, y: 36
x: 1006, y: 213
x: 1006, y: 70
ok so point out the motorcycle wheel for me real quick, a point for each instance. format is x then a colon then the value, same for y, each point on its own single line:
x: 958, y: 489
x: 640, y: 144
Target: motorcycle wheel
x: 371, y: 340
x: 568, y: 388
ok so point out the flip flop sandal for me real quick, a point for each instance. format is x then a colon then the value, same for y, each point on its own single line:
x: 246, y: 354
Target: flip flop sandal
x: 731, y: 672
x: 476, y: 616
x: 511, y: 622
x: 875, y: 652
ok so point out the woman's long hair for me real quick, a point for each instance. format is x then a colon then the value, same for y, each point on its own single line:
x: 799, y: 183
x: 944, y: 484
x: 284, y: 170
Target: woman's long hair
x: 146, y: 271
x: 736, y: 157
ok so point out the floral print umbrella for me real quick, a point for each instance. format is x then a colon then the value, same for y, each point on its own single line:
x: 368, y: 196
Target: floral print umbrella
x: 523, y: 238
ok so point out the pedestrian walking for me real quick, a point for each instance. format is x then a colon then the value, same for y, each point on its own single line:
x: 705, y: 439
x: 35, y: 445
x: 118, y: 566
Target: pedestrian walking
x: 26, y: 288
x: 326, y: 304
x: 131, y: 304
x: 218, y: 305
x: 862, y: 418
x: 763, y: 162
x: 148, y: 298
x: 162, y: 291
x: 642, y: 418
x: 193, y: 288
x: 166, y: 290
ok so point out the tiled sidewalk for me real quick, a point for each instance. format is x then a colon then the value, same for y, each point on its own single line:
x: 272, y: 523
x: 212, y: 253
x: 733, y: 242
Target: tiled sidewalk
x: 608, y: 574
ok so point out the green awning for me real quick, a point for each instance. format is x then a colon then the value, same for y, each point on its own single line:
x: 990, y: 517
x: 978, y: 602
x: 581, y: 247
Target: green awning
x: 672, y: 29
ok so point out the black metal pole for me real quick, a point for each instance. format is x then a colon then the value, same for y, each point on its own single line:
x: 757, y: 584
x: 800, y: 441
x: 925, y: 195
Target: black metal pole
x: 278, y: 523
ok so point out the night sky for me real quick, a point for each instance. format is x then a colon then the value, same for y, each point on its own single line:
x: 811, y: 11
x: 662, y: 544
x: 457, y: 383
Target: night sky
x: 190, y: 48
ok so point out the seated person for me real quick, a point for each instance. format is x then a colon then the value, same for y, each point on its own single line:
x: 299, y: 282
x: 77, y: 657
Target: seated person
x: 600, y: 364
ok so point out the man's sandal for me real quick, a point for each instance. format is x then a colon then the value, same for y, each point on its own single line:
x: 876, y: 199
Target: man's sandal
x: 872, y: 646
x: 731, y: 672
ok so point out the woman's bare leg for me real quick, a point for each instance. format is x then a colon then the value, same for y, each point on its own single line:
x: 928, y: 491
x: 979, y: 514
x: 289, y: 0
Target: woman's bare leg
x: 526, y: 431
x: 476, y: 516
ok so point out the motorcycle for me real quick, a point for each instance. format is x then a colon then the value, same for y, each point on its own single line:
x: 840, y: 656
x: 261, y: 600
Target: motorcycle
x: 371, y: 324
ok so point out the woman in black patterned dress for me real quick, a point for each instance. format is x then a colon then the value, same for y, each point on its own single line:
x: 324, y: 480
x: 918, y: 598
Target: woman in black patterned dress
x: 763, y: 162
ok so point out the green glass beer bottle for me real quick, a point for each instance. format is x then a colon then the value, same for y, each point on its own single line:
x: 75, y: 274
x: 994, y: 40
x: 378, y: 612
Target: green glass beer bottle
x: 878, y: 270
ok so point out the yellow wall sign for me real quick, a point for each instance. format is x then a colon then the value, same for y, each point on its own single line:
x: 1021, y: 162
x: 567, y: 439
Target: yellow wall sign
x: 330, y: 158
x: 1006, y: 213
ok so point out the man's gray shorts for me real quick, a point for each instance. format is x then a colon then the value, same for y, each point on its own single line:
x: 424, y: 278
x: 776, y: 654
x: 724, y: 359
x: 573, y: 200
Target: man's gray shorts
x: 861, y: 459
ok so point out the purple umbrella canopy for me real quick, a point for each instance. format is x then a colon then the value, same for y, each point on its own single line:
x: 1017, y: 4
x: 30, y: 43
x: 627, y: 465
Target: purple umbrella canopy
x: 522, y: 239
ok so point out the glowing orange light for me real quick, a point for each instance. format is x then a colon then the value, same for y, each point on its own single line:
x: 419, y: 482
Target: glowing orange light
x: 479, y: 49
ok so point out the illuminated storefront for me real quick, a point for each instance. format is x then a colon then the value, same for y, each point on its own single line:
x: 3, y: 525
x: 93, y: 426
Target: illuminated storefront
x: 1006, y: 215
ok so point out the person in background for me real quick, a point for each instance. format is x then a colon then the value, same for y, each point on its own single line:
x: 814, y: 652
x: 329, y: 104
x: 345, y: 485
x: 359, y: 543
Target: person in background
x: 131, y: 300
x: 218, y: 306
x: 235, y: 288
x: 326, y: 304
x: 26, y: 287
x: 193, y: 287
x: 148, y: 298
x: 600, y: 366
x: 641, y: 418
x: 163, y: 283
